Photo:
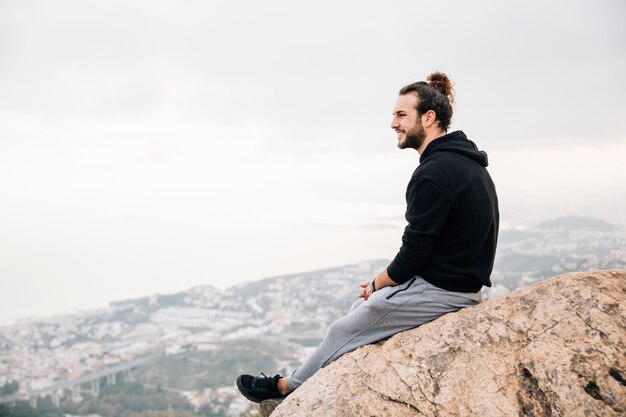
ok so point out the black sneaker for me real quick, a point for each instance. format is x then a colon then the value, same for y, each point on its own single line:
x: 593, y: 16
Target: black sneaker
x: 258, y: 389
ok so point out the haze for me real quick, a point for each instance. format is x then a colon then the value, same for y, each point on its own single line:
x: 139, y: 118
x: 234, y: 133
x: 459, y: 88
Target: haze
x: 152, y: 146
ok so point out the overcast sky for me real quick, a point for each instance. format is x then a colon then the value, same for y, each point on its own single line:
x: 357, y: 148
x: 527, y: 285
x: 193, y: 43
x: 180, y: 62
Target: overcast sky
x: 150, y: 146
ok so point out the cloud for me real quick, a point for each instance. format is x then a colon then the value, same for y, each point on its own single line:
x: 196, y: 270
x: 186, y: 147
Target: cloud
x: 527, y: 75
x: 150, y: 138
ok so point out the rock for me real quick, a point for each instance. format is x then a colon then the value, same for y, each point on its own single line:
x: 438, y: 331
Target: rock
x: 556, y: 348
x: 267, y: 407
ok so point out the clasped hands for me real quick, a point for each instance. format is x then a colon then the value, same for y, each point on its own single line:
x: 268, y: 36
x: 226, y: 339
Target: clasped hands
x: 381, y: 281
x: 366, y: 289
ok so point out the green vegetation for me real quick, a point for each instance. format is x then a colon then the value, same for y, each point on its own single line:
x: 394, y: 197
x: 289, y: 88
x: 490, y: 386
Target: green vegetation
x: 213, y: 369
x: 23, y: 409
x: 152, y: 395
x: 131, y: 399
x: 128, y: 399
x: 10, y: 388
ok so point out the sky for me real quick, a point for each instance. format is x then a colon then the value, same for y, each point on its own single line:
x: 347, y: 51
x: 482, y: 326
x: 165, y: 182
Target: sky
x: 149, y: 146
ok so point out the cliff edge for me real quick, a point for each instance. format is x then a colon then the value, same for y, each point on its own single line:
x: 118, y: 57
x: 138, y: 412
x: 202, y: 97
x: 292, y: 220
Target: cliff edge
x: 557, y: 348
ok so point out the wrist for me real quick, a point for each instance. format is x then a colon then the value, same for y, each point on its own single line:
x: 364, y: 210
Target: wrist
x: 373, y: 285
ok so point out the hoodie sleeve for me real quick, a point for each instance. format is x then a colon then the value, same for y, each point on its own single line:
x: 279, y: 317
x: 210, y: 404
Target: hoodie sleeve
x: 427, y: 209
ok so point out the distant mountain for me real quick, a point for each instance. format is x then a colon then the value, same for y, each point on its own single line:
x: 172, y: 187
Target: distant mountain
x: 565, y: 244
x: 578, y: 223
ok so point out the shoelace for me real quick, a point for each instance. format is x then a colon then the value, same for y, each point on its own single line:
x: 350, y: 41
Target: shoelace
x: 269, y: 381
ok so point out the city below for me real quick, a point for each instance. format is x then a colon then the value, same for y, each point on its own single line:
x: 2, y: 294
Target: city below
x: 69, y: 358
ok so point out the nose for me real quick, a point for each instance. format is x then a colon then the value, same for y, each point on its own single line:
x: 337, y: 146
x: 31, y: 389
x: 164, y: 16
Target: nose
x: 394, y: 123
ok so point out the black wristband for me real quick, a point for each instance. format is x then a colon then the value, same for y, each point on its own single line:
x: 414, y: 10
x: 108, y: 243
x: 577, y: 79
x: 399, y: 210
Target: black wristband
x: 373, y: 285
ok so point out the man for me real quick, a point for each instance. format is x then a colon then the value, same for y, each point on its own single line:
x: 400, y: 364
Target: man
x: 448, y: 246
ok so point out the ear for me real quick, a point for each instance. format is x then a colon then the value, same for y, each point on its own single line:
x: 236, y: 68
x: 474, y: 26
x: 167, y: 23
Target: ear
x: 429, y: 118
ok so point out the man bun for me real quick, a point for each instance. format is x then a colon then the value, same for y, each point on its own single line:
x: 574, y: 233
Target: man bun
x: 442, y: 83
x: 436, y: 95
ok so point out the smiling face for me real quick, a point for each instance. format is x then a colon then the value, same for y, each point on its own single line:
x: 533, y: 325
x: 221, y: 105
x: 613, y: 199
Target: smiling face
x: 406, y: 123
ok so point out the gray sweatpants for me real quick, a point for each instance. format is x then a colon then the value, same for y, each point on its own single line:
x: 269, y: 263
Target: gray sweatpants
x: 388, y: 311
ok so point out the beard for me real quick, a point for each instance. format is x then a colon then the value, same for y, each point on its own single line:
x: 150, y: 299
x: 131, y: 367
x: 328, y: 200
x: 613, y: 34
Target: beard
x: 414, y: 137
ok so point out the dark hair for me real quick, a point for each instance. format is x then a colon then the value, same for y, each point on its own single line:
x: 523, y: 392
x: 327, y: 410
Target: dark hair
x: 436, y: 95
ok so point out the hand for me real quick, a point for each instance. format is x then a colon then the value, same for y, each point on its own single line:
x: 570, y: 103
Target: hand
x: 366, y: 290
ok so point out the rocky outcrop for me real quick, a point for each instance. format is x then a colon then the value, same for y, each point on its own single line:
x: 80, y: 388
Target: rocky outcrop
x: 556, y: 348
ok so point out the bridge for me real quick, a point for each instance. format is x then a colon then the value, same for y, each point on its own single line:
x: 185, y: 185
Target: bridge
x: 57, y: 391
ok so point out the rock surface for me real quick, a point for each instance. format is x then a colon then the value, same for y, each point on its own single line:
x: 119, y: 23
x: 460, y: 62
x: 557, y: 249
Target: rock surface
x: 557, y: 348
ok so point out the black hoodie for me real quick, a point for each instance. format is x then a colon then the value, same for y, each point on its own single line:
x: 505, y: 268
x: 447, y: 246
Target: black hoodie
x: 452, y: 211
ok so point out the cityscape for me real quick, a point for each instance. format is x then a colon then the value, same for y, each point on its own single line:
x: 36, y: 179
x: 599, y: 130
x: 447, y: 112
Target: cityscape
x: 207, y: 335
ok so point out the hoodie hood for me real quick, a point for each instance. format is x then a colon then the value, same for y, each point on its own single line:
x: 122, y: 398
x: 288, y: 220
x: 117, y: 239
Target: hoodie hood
x: 455, y: 142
